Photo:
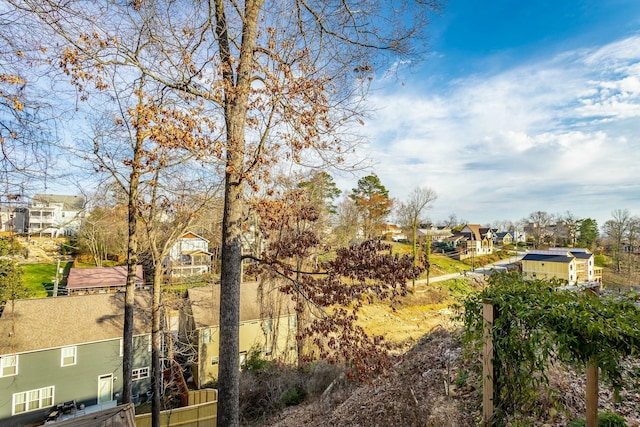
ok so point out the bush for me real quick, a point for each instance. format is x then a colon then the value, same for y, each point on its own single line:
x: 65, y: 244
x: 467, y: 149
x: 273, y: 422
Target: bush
x: 254, y: 361
x: 9, y: 246
x: 293, y: 396
x: 605, y: 419
x: 266, y: 387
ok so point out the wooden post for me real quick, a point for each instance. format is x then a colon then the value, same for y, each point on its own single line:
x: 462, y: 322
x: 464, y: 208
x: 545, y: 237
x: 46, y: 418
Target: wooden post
x: 592, y: 384
x: 488, y: 314
x: 592, y: 393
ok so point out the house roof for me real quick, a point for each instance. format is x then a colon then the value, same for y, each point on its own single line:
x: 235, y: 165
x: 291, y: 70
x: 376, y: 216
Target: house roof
x: 548, y: 257
x: 101, y: 277
x: 195, y: 251
x: 69, y: 203
x: 118, y: 416
x: 192, y: 235
x: 44, y: 323
x: 580, y: 253
x: 205, y: 303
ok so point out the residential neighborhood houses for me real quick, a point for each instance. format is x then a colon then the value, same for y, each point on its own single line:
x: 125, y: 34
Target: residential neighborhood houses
x: 51, y: 215
x: 68, y: 350
x: 267, y: 326
x: 56, y: 350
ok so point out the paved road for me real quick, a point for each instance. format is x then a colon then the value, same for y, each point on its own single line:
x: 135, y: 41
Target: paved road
x: 487, y: 269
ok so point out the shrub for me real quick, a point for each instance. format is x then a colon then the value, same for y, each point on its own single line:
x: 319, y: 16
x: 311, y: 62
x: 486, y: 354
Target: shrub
x: 255, y: 362
x: 293, y: 396
x: 605, y: 419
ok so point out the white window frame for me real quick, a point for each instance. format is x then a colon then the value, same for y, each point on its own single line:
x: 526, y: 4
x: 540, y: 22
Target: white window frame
x: 206, y: 335
x: 267, y: 324
x: 121, y: 347
x: 41, y: 397
x: 140, y: 373
x: 74, y: 350
x: 10, y: 360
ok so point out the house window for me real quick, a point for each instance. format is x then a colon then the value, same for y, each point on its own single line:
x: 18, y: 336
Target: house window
x: 243, y: 359
x: 8, y: 365
x: 206, y: 336
x: 266, y: 326
x: 140, y: 373
x: 268, y: 348
x: 32, y: 400
x: 293, y: 322
x: 214, y: 360
x: 121, y: 347
x: 68, y: 356
x: 149, y: 343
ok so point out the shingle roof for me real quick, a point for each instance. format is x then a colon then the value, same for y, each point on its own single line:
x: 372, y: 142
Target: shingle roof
x: 69, y: 203
x: 101, y: 277
x: 56, y: 322
x: 581, y: 255
x: 205, y: 303
x: 547, y: 257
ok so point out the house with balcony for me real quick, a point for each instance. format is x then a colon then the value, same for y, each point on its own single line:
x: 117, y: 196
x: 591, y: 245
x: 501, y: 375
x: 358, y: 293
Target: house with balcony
x: 59, y: 350
x: 575, y: 265
x: 53, y: 215
x: 189, y: 256
x: 267, y: 325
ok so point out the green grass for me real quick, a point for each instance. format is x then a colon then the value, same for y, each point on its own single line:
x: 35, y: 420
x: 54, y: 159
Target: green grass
x: 442, y: 264
x: 39, y: 277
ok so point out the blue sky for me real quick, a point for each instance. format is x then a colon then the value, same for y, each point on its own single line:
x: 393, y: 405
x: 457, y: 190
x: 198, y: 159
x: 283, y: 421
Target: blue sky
x: 517, y: 107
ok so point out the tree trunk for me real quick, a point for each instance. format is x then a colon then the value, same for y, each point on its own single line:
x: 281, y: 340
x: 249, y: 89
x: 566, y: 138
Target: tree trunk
x: 129, y: 299
x: 156, y: 349
x: 132, y: 264
x: 235, y: 110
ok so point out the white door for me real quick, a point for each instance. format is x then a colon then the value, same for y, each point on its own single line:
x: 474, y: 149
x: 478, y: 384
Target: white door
x: 105, y: 388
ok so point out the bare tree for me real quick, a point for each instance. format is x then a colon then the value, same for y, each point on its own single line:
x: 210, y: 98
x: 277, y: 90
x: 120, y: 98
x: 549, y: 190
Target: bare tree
x: 167, y: 212
x: 539, y: 227
x: 27, y: 119
x: 617, y: 229
x: 347, y: 222
x: 410, y: 215
x: 280, y: 83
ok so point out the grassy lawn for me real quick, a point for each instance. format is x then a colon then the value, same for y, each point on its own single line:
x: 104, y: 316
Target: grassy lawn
x: 39, y: 278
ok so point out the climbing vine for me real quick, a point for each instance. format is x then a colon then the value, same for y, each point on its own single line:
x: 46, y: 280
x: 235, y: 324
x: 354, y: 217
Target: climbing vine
x: 539, y: 323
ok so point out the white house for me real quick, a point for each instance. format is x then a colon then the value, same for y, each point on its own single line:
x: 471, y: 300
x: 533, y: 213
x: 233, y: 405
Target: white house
x: 55, y: 215
x: 189, y: 256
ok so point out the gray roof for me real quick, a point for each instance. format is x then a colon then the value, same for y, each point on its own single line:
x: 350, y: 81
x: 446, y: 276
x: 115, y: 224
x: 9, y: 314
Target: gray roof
x: 548, y: 257
x: 581, y: 255
x: 43, y: 323
x: 119, y: 416
x: 69, y: 203
x: 205, y: 303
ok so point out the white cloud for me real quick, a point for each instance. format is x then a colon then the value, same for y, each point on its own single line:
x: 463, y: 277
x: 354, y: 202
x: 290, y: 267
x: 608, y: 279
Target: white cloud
x: 555, y: 135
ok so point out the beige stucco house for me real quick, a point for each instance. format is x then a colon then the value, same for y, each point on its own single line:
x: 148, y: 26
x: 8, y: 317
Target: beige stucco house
x: 574, y: 265
x: 267, y: 325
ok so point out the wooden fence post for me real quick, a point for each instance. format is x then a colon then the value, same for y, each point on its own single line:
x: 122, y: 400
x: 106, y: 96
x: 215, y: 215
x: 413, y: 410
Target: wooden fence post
x: 488, y: 314
x: 592, y: 393
x: 592, y: 383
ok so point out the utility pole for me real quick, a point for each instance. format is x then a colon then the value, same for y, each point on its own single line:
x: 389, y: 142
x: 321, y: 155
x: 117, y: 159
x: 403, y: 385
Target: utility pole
x: 56, y: 281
